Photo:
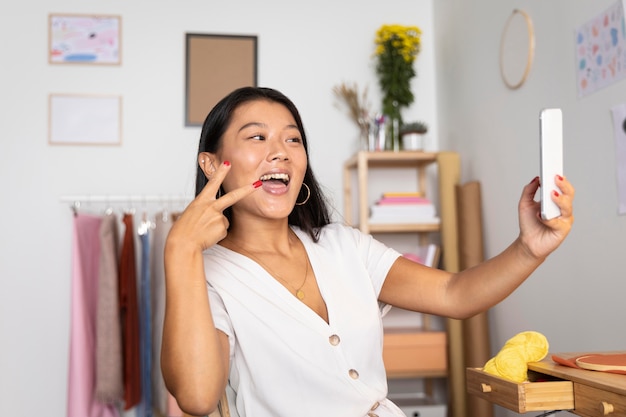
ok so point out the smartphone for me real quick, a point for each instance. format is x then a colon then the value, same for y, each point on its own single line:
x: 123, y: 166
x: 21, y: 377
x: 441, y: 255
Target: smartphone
x: 551, y: 158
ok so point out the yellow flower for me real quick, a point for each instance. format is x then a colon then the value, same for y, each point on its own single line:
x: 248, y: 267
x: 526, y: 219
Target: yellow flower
x: 396, y: 47
x: 406, y: 40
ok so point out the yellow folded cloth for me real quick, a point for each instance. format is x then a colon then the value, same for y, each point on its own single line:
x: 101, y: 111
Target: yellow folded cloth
x: 512, y: 360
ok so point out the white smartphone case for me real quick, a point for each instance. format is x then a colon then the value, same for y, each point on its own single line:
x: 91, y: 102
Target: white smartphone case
x: 551, y: 159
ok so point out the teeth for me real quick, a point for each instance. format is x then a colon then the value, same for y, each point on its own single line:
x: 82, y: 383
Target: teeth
x: 281, y: 177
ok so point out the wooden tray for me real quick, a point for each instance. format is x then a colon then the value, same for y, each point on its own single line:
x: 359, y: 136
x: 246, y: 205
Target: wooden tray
x: 603, y: 362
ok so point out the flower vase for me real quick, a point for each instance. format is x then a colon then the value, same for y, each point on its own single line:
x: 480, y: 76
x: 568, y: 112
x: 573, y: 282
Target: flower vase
x: 393, y: 135
x: 363, y: 139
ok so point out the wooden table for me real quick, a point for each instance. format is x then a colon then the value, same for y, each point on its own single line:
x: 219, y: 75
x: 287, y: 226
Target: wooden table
x: 595, y: 393
x: 552, y: 387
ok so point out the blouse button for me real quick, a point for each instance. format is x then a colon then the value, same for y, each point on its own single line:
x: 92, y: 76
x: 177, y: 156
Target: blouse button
x: 372, y: 415
x: 375, y: 406
x: 334, y: 340
x: 353, y: 374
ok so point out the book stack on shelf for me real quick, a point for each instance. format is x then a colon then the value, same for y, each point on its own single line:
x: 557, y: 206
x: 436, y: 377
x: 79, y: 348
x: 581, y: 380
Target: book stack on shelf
x: 403, y: 208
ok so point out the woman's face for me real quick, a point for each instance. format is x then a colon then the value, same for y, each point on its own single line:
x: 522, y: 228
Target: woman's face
x: 263, y: 143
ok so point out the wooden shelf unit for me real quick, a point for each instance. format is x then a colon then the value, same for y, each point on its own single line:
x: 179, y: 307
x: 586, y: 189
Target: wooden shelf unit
x: 448, y: 175
x: 362, y: 162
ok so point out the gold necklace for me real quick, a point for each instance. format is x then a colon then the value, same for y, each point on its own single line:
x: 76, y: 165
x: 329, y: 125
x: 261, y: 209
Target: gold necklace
x: 299, y: 293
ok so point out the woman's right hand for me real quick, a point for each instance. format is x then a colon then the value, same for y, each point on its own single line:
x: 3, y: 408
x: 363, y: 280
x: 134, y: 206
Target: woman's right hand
x: 194, y: 354
x: 202, y: 224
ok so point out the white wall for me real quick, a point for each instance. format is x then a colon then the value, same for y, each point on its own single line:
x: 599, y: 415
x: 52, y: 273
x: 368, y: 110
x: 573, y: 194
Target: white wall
x: 576, y: 298
x: 304, y: 50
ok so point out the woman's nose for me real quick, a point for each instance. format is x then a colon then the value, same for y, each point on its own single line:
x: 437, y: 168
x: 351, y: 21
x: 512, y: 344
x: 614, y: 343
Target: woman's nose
x: 277, y: 152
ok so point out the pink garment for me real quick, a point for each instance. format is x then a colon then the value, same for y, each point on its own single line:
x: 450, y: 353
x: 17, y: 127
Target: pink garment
x: 85, y: 265
x: 172, y: 407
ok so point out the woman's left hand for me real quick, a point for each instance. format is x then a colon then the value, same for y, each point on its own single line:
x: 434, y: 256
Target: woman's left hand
x: 541, y: 237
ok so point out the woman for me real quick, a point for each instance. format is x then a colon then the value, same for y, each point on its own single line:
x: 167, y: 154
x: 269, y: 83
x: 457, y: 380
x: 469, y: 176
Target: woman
x: 291, y: 319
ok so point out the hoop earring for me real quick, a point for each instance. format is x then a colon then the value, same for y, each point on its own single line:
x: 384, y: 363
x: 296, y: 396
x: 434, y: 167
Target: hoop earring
x: 308, y: 195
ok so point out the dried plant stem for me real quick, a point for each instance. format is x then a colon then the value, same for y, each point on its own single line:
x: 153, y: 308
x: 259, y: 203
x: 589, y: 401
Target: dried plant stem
x: 358, y: 107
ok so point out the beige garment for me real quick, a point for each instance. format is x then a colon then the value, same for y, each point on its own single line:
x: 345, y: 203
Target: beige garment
x: 160, y: 394
x: 109, y: 385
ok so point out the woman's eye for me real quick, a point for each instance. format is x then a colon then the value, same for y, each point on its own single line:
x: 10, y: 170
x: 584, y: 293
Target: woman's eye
x: 257, y: 137
x: 295, y: 140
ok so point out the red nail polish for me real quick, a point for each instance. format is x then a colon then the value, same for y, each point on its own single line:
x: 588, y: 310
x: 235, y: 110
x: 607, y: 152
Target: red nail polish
x: 556, y: 193
x: 534, y: 179
x: 257, y: 184
x: 559, y: 177
x: 227, y: 163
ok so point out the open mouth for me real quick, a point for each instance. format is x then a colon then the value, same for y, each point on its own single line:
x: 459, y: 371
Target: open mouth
x: 281, y: 178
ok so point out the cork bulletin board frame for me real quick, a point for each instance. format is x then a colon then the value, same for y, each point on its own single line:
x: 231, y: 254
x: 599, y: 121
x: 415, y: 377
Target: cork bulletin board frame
x: 216, y: 65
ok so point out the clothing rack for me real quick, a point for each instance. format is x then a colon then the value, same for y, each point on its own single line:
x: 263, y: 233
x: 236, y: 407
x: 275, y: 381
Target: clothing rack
x: 134, y: 200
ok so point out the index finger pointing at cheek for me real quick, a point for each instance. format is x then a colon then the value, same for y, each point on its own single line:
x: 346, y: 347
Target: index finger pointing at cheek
x: 237, y: 194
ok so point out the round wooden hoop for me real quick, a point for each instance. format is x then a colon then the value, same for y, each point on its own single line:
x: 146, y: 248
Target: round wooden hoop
x: 513, y: 85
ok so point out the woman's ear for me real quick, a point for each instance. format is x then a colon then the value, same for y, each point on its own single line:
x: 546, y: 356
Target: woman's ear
x: 206, y: 162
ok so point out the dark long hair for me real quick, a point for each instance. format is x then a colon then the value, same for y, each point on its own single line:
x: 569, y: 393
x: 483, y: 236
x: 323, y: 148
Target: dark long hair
x: 310, y: 217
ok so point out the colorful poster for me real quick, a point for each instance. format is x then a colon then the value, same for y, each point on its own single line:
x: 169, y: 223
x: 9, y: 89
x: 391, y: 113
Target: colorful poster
x: 601, y: 50
x: 84, y: 39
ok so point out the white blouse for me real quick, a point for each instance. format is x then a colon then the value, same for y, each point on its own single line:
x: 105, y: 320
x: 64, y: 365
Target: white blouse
x: 285, y: 359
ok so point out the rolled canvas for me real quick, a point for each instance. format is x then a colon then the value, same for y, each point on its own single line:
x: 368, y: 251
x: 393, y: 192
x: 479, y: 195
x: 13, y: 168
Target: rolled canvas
x: 476, y: 329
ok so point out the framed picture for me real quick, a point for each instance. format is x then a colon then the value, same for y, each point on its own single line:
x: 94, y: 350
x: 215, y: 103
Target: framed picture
x: 216, y: 65
x: 84, y: 39
x: 84, y: 119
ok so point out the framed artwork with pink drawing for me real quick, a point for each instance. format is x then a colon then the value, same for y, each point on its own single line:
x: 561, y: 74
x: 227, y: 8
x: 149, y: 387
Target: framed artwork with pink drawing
x: 84, y: 39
